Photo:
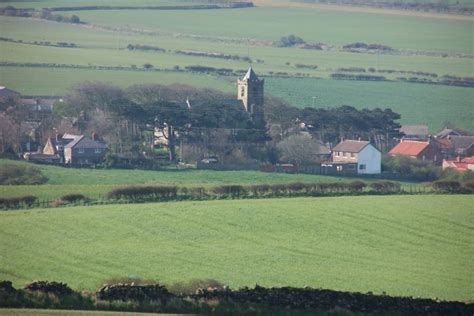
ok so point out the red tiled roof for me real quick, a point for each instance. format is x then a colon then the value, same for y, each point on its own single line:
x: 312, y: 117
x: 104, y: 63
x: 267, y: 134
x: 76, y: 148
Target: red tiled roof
x: 468, y: 159
x: 409, y: 148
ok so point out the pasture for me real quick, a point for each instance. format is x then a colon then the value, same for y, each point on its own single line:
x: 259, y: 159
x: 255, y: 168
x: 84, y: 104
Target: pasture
x: 432, y: 44
x: 51, y: 312
x: 403, y: 245
x: 95, y: 183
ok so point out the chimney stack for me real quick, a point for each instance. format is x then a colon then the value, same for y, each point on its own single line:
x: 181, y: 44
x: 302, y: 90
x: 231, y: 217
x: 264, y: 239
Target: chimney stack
x: 57, y: 137
x: 94, y: 136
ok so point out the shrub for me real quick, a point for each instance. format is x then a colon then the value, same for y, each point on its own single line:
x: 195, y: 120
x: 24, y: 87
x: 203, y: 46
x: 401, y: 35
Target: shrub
x: 73, y: 198
x: 231, y: 190
x: 411, y: 168
x: 143, y: 192
x: 290, y: 40
x: 13, y: 174
x: 385, y: 187
x: 356, y: 186
x: 468, y: 186
x: 17, y: 201
x: 57, y: 288
x: 447, y: 186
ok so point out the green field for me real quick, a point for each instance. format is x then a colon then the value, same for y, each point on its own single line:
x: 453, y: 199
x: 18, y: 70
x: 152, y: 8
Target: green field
x: 95, y: 183
x: 250, y: 32
x: 403, y: 245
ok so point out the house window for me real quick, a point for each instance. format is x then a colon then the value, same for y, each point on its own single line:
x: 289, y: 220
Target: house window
x: 97, y: 150
x: 339, y: 168
x: 60, y: 147
x: 361, y: 167
x: 80, y: 150
x: 351, y: 167
x: 242, y: 91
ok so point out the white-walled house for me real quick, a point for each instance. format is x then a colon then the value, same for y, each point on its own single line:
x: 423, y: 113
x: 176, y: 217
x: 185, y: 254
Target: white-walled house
x: 366, y: 155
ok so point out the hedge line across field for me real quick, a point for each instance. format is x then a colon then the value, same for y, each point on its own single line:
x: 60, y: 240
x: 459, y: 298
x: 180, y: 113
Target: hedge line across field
x: 166, y: 193
x: 220, y: 300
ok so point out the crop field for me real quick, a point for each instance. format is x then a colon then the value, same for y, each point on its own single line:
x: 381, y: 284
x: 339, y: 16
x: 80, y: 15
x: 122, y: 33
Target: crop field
x: 436, y: 44
x: 401, y: 245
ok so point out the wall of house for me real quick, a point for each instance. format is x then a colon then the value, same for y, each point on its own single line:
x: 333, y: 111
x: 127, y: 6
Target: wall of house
x: 344, y: 157
x: 49, y: 148
x: 431, y: 153
x: 371, y: 158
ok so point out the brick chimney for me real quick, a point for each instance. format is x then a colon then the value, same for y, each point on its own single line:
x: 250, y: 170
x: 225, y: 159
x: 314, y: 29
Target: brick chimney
x: 94, y: 136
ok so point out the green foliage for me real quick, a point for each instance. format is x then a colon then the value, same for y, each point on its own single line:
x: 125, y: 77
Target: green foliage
x: 290, y: 40
x: 446, y: 186
x: 16, y: 202
x: 385, y: 187
x: 332, y: 240
x: 411, y: 168
x: 13, y: 174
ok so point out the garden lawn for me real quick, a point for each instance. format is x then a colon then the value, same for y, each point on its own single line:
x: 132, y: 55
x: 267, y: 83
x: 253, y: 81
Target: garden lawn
x: 403, y: 245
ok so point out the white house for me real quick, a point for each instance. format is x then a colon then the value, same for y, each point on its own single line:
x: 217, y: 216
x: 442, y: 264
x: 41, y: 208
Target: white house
x: 366, y: 155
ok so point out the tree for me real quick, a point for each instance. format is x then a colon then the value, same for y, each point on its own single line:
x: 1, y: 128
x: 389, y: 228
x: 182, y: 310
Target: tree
x: 299, y: 149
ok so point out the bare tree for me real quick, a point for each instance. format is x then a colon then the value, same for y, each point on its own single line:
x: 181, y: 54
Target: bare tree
x: 300, y: 149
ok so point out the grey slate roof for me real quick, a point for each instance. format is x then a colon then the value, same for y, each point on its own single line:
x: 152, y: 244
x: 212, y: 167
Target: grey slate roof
x: 461, y: 142
x: 453, y: 132
x: 82, y: 142
x: 351, y: 146
x: 414, y: 130
x: 250, y: 75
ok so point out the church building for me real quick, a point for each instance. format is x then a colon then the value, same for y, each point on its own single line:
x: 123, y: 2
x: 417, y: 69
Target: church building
x: 251, y: 92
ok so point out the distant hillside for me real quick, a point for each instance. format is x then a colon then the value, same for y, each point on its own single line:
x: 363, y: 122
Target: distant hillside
x: 444, y: 6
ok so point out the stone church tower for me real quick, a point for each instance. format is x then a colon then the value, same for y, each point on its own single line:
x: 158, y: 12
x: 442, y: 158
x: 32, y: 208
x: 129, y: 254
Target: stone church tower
x: 250, y: 91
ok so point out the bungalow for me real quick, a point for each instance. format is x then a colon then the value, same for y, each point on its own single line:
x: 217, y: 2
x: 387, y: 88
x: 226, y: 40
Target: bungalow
x: 460, y: 164
x: 361, y: 155
x: 423, y: 150
x: 84, y: 151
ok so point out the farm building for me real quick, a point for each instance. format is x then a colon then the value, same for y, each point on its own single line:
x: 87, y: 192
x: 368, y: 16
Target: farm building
x: 358, y: 154
x: 423, y: 150
x: 460, y: 164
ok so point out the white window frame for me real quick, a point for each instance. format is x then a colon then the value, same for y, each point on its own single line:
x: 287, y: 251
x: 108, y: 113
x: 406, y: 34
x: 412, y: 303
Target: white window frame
x: 97, y: 150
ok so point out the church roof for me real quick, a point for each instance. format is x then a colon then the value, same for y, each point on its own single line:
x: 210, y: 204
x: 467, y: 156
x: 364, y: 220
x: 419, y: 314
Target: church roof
x: 250, y: 75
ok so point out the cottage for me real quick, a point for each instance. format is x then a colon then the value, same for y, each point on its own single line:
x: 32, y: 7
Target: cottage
x: 446, y: 132
x: 55, y: 145
x: 459, y: 164
x: 423, y: 150
x: 85, y: 151
x: 362, y: 155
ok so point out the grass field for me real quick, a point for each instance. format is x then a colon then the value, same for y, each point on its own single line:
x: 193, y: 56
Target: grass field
x: 96, y: 183
x: 103, y: 43
x: 417, y: 103
x: 403, y: 245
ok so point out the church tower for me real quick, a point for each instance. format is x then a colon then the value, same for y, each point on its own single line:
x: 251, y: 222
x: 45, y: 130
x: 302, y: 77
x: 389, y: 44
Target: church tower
x: 250, y: 91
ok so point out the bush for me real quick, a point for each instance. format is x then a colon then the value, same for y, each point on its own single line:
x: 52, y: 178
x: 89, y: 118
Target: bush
x: 356, y: 186
x: 290, y: 40
x: 73, y: 198
x: 144, y: 192
x: 385, y: 187
x: 411, y: 168
x: 229, y: 190
x: 13, y: 174
x: 17, y: 201
x: 468, y: 186
x: 447, y: 186
x: 57, y: 288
